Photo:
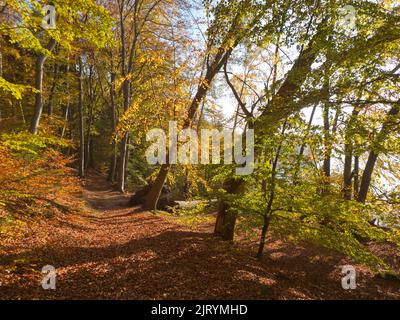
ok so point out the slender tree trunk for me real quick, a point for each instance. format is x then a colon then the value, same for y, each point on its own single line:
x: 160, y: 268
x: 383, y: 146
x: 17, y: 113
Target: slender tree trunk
x: 39, y: 86
x: 66, y: 111
x: 347, y: 172
x: 268, y: 215
x: 123, y: 157
x: 356, y: 176
x: 21, y: 110
x: 1, y: 69
x: 348, y: 161
x: 88, y: 137
x: 127, y: 159
x: 1, y: 59
x: 50, y: 104
x: 327, y: 144
x: 65, y: 125
x: 114, y: 157
x: 81, y: 124
x: 267, y: 221
x: 89, y: 123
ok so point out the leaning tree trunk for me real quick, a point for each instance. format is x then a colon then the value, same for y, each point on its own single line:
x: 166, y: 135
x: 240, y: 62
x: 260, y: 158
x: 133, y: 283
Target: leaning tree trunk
x: 367, y: 177
x: 280, y: 107
x: 373, y: 156
x: 155, y: 192
x: 41, y: 59
x: 220, y: 59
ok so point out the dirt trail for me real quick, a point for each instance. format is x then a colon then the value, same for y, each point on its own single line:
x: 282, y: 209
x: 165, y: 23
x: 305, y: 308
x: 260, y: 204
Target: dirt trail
x: 112, y: 251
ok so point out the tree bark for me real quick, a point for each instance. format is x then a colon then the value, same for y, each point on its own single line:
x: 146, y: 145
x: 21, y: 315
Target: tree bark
x: 348, y: 161
x: 123, y: 157
x: 373, y: 156
x: 155, y: 192
x: 226, y: 220
x: 220, y: 59
x: 114, y: 157
x: 41, y: 59
x: 268, y: 214
x: 50, y: 104
x: 267, y: 221
x: 89, y: 122
x: 356, y: 176
x: 327, y: 143
x: 81, y: 124
x: 66, y: 110
x: 279, y: 107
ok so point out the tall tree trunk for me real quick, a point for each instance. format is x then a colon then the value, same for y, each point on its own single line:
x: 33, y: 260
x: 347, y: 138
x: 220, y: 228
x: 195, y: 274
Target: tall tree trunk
x: 356, y: 176
x: 66, y: 110
x: 327, y: 145
x: 65, y: 117
x: 114, y: 157
x: 1, y: 59
x: 81, y: 124
x: 1, y: 68
x: 40, y: 60
x: 123, y: 157
x: 88, y: 138
x: 21, y: 110
x: 90, y: 121
x: 373, y: 156
x: 50, y: 104
x: 348, y: 151
x: 347, y: 171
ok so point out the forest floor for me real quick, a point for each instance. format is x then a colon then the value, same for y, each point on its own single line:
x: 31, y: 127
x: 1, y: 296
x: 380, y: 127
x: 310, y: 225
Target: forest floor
x: 112, y: 251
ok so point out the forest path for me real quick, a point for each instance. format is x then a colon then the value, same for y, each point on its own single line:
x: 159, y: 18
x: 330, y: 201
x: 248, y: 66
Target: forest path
x: 112, y: 251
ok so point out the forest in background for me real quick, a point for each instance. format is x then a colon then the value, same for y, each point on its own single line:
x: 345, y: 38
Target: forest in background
x: 320, y: 91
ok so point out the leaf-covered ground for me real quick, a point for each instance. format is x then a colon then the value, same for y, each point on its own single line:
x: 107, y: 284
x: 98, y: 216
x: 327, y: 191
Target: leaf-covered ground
x: 111, y: 251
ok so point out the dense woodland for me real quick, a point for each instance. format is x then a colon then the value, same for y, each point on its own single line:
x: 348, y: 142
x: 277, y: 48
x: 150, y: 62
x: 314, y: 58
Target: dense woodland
x: 321, y: 92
